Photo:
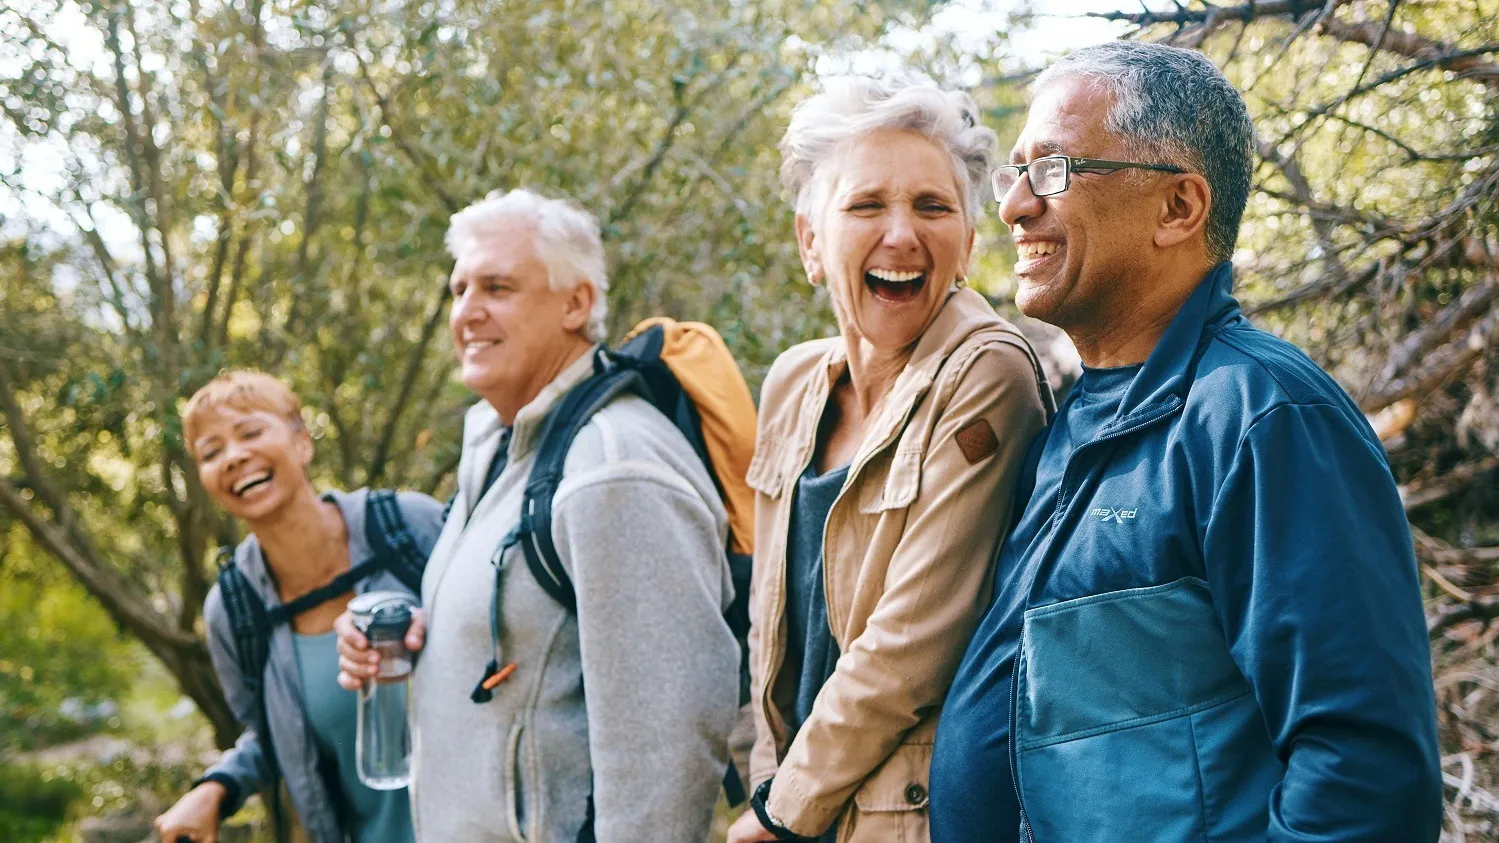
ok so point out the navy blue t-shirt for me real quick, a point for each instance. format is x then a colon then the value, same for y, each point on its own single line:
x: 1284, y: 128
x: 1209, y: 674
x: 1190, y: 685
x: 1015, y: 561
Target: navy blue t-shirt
x: 972, y: 792
x: 811, y: 652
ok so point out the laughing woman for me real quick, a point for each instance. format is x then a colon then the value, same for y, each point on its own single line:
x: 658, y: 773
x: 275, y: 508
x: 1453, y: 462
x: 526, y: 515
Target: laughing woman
x: 245, y: 431
x: 884, y: 465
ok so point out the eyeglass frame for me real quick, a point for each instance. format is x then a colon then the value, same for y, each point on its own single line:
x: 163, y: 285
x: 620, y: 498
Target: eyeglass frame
x: 1069, y: 165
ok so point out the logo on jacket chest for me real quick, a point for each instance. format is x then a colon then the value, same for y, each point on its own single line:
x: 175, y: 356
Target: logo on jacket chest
x: 1116, y: 515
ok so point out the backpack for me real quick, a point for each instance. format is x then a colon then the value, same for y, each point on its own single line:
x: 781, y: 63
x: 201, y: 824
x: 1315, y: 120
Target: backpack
x: 251, y: 623
x: 685, y: 371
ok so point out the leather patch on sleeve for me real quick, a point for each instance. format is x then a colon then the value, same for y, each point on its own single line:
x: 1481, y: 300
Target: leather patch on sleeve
x: 977, y: 440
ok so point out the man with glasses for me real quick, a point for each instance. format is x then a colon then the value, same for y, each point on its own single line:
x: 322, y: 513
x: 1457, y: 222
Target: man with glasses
x: 1207, y: 621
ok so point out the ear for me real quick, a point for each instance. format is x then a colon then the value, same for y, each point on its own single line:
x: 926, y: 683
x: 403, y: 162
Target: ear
x: 578, y: 306
x: 1184, y: 211
x: 806, y: 244
x: 302, y: 446
x: 965, y: 260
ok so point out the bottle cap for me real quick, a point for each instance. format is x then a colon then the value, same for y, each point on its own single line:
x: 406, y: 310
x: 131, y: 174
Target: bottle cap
x: 382, y: 614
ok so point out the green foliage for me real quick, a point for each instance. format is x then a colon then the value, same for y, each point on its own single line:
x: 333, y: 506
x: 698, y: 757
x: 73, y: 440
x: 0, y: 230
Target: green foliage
x: 266, y: 184
x: 55, y: 645
x: 34, y: 803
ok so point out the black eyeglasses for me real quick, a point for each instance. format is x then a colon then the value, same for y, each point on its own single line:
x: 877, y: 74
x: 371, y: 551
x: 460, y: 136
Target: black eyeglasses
x: 1053, y: 174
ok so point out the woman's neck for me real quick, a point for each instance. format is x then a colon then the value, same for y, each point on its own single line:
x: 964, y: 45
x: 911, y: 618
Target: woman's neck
x: 872, y: 372
x: 305, y: 543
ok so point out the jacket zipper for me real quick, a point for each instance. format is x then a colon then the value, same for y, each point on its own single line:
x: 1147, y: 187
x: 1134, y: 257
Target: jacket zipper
x: 848, y: 480
x: 1065, y: 503
x: 785, y: 522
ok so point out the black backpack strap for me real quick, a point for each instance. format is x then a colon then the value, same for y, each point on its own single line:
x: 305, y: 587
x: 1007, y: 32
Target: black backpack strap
x: 250, y: 625
x: 390, y: 539
x: 562, y: 427
x: 341, y: 584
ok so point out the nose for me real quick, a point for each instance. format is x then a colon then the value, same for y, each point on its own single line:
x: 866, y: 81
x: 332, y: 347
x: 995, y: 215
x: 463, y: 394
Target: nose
x: 234, y: 455
x: 900, y: 230
x: 1021, y: 202
x: 465, y: 310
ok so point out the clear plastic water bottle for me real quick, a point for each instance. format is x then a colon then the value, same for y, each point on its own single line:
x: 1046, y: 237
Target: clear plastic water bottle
x: 382, y: 752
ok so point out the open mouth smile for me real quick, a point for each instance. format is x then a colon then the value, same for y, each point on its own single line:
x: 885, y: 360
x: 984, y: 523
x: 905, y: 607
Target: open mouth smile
x: 250, y: 481
x: 1034, y: 253
x: 895, y: 286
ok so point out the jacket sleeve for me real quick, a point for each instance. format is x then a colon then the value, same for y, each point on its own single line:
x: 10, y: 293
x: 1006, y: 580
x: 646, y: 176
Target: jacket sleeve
x: 936, y: 589
x: 762, y: 759
x: 660, y: 665
x: 1309, y: 560
x: 243, y: 769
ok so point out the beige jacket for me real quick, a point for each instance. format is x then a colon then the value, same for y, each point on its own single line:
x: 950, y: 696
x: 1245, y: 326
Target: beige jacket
x: 908, y: 564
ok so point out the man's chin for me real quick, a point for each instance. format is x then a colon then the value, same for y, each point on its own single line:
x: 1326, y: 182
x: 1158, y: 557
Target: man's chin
x: 1035, y: 299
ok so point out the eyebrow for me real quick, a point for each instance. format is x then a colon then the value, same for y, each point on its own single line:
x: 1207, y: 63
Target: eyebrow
x: 484, y: 276
x: 1047, y: 147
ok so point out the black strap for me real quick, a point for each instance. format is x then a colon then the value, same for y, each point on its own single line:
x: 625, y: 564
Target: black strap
x: 391, y: 541
x: 613, y: 375
x: 563, y: 425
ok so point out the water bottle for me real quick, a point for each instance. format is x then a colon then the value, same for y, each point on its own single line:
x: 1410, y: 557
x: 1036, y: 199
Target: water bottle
x: 382, y: 750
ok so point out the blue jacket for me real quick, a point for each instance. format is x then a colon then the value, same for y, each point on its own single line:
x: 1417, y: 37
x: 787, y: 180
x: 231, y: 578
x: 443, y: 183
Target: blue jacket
x: 1222, y: 635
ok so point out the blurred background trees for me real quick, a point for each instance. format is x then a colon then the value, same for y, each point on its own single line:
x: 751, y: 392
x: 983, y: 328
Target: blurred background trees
x: 187, y: 185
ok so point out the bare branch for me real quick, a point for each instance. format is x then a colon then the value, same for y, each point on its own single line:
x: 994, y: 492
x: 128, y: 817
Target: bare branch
x: 1439, y: 329
x: 1438, y: 366
x: 1245, y: 12
x: 1414, y: 46
x: 1444, y: 486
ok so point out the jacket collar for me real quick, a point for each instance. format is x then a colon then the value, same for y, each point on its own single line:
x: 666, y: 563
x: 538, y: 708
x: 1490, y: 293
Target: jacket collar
x: 482, y: 426
x: 1167, y: 374
x: 963, y: 314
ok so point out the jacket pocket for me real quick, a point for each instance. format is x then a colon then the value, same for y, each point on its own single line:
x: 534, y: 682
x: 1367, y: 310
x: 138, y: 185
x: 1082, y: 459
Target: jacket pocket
x: 891, y: 804
x: 767, y: 469
x: 515, y: 815
x: 897, y: 488
x: 1112, y: 693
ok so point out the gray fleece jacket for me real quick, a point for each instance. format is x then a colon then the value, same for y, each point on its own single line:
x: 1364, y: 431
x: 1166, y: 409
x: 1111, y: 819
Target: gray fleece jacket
x: 633, y: 697
x: 244, y: 769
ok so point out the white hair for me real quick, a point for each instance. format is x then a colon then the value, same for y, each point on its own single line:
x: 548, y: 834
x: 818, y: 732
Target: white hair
x: 851, y: 107
x: 567, y: 241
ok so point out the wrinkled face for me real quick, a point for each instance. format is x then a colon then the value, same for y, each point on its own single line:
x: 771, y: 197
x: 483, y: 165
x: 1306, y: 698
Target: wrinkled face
x: 506, y: 319
x: 1083, y: 251
x: 252, y: 462
x: 889, y: 238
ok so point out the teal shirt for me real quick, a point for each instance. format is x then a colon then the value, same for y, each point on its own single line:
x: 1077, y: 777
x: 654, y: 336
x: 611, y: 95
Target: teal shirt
x: 380, y: 816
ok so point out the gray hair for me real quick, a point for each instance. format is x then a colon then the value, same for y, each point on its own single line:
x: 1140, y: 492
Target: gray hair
x: 567, y: 241
x: 850, y: 107
x: 1173, y: 106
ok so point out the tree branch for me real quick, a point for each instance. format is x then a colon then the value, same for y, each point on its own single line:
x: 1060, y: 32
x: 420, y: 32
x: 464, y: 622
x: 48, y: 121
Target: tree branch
x: 408, y: 382
x: 129, y: 610
x: 422, y: 162
x: 1423, y: 492
x: 1414, y: 46
x: 1438, y: 366
x: 1439, y: 329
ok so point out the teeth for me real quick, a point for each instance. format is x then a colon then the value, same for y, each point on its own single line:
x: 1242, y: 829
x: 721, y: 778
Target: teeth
x: 475, y: 345
x: 246, y: 482
x: 1030, y: 251
x: 892, y: 275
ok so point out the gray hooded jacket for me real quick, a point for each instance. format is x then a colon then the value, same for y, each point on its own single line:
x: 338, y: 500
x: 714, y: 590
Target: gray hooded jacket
x: 632, y: 697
